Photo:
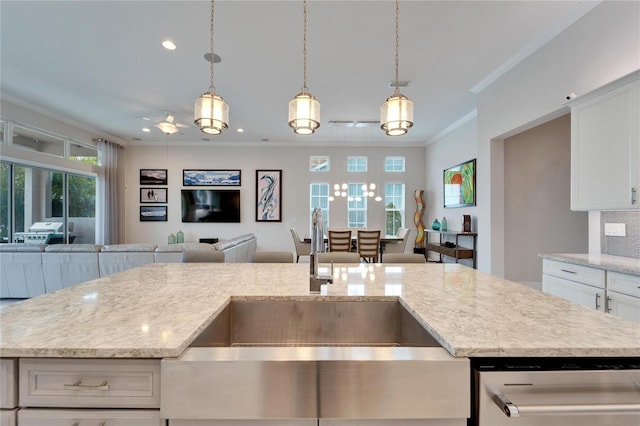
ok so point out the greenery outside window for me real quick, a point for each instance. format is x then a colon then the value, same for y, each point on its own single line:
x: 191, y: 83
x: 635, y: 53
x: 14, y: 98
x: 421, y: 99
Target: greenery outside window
x: 394, y: 207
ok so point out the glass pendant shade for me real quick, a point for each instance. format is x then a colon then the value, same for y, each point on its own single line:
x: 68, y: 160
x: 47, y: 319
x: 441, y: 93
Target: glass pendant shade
x: 396, y: 115
x: 167, y: 128
x: 304, y: 114
x: 211, y: 113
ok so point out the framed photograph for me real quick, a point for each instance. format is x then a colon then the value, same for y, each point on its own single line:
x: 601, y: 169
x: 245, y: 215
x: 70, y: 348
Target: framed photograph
x: 153, y: 213
x: 319, y: 163
x: 153, y: 176
x: 268, y: 195
x: 153, y: 195
x: 211, y: 177
x: 460, y: 185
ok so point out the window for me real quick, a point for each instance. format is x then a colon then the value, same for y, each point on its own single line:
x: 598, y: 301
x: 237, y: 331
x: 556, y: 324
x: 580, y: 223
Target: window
x: 394, y: 207
x: 394, y: 164
x: 2, y: 131
x: 356, y: 164
x: 319, y: 163
x: 84, y: 153
x: 38, y: 141
x: 356, y: 206
x: 319, y: 198
x: 31, y: 194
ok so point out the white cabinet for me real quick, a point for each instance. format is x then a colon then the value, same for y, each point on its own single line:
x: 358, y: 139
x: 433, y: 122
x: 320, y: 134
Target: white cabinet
x: 305, y: 422
x: 605, y: 147
x: 607, y: 291
x: 623, y: 295
x: 63, y: 417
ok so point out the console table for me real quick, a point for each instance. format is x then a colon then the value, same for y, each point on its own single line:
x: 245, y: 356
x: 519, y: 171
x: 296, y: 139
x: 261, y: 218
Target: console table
x: 456, y: 251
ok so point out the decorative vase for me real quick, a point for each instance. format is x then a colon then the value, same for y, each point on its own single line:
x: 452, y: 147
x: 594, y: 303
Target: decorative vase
x: 417, y: 218
x: 444, y: 224
x: 172, y: 239
x: 435, y: 225
x: 180, y: 237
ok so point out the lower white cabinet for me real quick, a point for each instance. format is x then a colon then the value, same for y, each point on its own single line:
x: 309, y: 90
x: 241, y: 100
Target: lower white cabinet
x: 583, y: 294
x: 63, y: 417
x: 607, y: 291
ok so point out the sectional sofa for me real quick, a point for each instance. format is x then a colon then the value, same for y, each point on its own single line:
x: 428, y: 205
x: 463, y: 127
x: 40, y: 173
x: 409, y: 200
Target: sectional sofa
x: 29, y: 270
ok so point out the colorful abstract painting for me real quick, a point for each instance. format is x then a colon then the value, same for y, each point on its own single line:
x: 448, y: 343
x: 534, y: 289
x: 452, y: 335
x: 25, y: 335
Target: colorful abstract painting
x: 268, y: 195
x: 460, y: 185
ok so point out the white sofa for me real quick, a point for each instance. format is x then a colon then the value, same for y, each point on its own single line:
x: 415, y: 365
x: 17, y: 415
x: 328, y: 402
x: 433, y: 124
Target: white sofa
x: 29, y: 270
x: 66, y: 265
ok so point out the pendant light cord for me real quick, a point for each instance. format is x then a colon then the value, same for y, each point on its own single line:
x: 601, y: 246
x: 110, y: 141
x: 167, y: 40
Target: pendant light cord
x: 212, y: 88
x: 397, y: 91
x: 305, y: 89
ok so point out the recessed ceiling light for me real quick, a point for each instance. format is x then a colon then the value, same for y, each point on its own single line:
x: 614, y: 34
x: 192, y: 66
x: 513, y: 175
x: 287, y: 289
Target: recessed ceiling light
x: 240, y: 130
x: 146, y: 129
x: 169, y: 45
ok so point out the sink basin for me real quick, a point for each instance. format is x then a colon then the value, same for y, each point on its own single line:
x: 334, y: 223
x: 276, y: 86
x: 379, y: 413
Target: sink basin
x: 309, y: 359
x: 314, y: 323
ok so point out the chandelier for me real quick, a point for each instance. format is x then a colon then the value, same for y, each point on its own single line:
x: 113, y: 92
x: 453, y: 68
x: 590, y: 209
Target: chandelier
x: 396, y: 113
x: 304, y: 108
x: 211, y: 111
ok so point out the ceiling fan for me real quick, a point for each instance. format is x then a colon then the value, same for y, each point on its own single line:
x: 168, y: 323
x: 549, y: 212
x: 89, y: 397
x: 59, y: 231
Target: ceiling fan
x: 168, y: 125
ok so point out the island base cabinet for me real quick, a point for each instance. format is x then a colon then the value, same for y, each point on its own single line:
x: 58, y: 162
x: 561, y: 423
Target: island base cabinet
x: 61, y: 417
x: 8, y: 417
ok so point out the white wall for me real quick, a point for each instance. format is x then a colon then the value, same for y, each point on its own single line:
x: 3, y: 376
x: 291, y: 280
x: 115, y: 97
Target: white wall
x: 602, y: 46
x: 294, y: 161
x: 454, y: 148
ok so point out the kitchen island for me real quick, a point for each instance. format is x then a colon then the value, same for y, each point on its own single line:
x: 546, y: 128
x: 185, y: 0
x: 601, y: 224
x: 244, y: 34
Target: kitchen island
x: 156, y: 311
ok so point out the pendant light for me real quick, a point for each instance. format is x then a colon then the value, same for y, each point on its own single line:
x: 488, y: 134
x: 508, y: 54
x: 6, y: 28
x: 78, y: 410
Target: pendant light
x: 396, y: 113
x: 211, y: 111
x: 304, y: 108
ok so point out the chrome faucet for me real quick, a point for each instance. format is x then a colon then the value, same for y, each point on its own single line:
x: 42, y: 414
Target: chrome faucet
x: 317, y: 246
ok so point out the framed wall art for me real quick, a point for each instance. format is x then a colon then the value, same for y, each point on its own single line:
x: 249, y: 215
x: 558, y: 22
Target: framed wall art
x: 268, y: 195
x: 153, y: 213
x: 153, y: 195
x: 153, y: 176
x: 460, y: 185
x: 211, y: 177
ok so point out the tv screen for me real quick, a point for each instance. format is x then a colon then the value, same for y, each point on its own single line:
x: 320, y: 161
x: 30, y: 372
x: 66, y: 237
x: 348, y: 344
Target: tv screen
x: 210, y: 205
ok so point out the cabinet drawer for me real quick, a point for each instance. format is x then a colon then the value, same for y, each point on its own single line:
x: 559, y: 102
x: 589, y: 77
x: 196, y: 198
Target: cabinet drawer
x: 8, y: 417
x: 623, y: 283
x: 44, y: 417
x: 92, y: 383
x: 569, y: 271
x: 8, y: 383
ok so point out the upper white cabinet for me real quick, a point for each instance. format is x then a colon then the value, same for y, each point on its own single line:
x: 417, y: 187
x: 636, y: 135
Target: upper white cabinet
x: 605, y: 147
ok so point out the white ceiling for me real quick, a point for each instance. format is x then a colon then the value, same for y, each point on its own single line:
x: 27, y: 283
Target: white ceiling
x: 101, y: 62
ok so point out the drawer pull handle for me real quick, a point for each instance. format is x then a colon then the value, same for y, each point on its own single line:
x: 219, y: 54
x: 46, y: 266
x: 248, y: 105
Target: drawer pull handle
x: 79, y: 386
x: 568, y: 271
x: 512, y: 410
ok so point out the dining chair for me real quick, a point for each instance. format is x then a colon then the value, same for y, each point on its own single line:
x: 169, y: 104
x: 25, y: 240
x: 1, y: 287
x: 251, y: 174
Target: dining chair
x: 302, y: 248
x: 272, y: 257
x: 403, y: 258
x: 339, y: 240
x: 202, y: 256
x: 369, y: 245
x: 399, y: 246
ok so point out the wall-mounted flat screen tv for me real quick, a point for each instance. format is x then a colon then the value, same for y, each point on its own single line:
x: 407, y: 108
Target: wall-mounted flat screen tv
x: 210, y: 205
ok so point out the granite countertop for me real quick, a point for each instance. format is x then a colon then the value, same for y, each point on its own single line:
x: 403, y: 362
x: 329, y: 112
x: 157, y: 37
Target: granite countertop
x: 155, y: 311
x: 624, y: 265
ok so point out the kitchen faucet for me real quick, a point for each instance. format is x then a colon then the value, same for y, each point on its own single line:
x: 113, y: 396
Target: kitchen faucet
x: 317, y: 246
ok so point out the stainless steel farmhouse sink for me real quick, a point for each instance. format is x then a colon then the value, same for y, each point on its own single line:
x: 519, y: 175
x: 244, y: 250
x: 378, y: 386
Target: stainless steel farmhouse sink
x: 314, y: 323
x: 301, y: 359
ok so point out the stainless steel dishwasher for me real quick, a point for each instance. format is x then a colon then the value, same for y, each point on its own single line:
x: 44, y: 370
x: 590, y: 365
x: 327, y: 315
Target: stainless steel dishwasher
x: 557, y: 392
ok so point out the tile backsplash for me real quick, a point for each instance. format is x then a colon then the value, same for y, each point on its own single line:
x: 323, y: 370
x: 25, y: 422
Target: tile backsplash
x: 628, y: 246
